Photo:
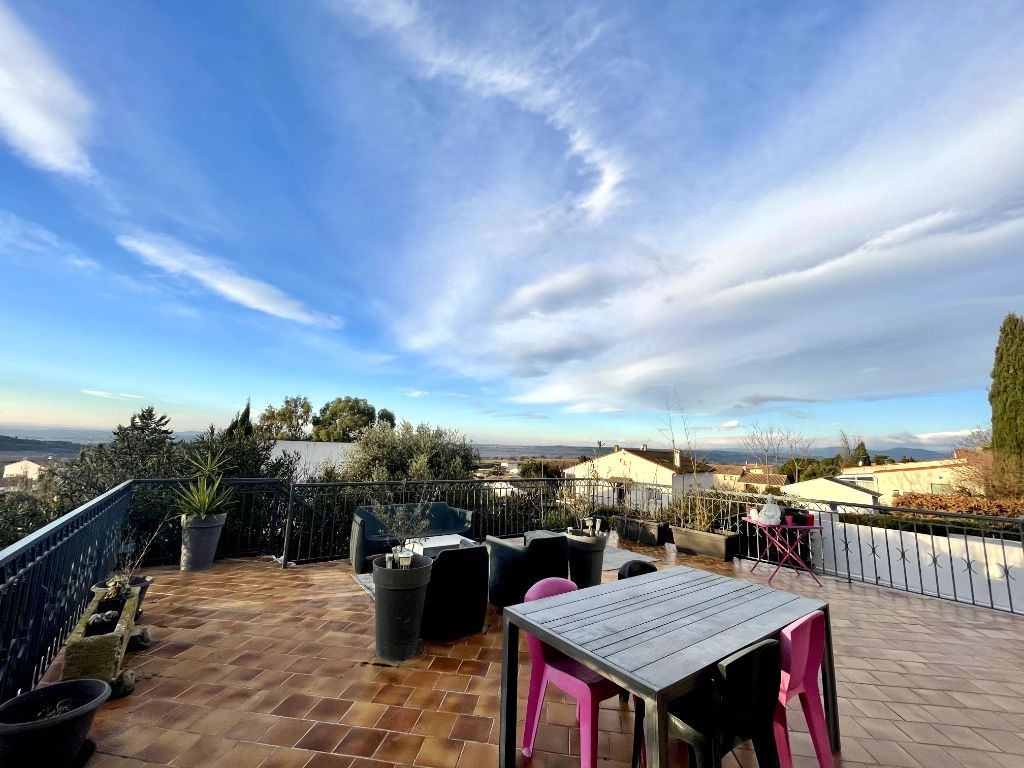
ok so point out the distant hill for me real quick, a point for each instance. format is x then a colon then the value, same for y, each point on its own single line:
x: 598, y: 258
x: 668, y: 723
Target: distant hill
x: 715, y: 456
x: 18, y: 448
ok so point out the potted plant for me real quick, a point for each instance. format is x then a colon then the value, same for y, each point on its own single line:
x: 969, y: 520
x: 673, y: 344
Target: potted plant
x: 131, y: 556
x: 400, y: 580
x: 698, y: 531
x: 200, y: 503
x: 48, y: 726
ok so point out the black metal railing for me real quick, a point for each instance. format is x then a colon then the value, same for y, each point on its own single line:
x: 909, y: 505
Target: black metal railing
x: 973, y: 559
x: 319, y: 519
x: 44, y: 585
x: 254, y: 524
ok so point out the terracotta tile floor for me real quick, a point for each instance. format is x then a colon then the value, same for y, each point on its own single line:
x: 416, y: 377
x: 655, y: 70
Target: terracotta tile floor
x: 253, y: 667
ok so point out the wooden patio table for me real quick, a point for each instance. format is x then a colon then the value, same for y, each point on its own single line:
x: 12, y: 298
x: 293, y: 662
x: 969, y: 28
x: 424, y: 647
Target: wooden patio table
x: 653, y: 635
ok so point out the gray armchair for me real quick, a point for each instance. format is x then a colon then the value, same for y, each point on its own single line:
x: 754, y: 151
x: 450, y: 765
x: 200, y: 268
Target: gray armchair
x: 368, y: 538
x: 514, y: 567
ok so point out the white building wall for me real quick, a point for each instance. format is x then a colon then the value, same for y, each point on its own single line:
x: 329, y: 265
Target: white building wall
x: 823, y: 489
x: 23, y: 468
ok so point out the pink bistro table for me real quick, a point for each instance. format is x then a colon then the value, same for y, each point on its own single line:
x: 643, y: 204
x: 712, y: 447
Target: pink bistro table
x: 775, y: 539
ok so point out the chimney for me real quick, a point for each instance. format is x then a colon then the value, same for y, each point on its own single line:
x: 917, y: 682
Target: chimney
x: 616, y: 448
x: 644, y: 448
x: 677, y: 458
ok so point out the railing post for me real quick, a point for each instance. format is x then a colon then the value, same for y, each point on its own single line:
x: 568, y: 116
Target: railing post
x: 288, y: 526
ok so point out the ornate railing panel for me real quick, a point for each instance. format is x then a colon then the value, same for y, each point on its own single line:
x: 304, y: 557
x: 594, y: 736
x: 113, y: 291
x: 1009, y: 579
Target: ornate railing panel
x: 44, y: 585
x: 973, y: 559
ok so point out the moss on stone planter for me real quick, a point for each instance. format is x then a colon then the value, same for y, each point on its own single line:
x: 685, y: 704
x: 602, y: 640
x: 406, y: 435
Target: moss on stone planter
x: 100, y: 656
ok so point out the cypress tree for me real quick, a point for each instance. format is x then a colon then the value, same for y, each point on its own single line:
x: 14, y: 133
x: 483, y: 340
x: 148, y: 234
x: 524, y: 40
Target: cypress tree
x: 1006, y: 396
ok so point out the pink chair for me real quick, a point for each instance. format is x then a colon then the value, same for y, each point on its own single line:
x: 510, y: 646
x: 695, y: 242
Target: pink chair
x: 550, y: 666
x: 803, y: 647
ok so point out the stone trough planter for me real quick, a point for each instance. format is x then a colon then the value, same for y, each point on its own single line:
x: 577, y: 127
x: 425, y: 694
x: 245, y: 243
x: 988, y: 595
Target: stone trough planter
x: 97, y: 651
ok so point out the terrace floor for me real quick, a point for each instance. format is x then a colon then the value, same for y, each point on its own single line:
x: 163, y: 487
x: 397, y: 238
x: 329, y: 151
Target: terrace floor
x: 257, y: 667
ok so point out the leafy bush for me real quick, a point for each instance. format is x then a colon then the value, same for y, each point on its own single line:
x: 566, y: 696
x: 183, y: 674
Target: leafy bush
x: 964, y: 505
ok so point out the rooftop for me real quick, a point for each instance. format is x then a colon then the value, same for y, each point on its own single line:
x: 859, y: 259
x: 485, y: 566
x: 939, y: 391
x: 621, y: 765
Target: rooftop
x: 261, y: 667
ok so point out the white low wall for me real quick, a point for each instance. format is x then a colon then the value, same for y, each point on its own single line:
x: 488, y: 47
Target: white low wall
x: 968, y: 569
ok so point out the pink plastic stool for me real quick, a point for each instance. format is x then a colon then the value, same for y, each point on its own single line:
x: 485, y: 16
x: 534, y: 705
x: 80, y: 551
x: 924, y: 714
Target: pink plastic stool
x: 802, y: 644
x: 550, y: 666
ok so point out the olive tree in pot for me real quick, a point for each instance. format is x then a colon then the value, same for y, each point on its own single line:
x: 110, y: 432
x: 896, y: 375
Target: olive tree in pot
x: 48, y: 726
x: 200, y: 503
x: 698, y: 531
x: 400, y: 581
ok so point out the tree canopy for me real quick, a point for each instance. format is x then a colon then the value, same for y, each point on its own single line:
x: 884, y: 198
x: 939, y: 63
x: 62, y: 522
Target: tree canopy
x: 411, y: 453
x: 343, y: 418
x: 1006, y: 395
x: 145, y: 448
x: 289, y: 421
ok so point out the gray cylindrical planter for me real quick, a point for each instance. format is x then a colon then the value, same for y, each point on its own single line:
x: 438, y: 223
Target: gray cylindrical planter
x: 586, y: 557
x: 399, y: 595
x: 199, y: 537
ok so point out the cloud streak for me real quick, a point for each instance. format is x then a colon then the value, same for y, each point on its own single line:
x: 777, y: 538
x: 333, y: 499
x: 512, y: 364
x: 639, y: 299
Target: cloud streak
x: 103, y: 394
x: 223, y: 279
x: 44, y: 117
x: 522, y: 77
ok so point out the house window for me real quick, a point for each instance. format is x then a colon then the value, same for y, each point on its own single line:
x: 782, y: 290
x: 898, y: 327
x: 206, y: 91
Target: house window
x: 942, y: 489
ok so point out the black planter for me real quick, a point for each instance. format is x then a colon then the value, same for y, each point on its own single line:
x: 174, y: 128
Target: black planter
x: 586, y: 557
x: 399, y: 595
x: 721, y: 546
x: 628, y: 528
x: 653, y: 533
x: 56, y: 741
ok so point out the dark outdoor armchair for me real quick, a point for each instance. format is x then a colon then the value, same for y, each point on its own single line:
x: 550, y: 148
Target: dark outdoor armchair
x: 456, y: 602
x: 515, y: 567
x: 369, y: 540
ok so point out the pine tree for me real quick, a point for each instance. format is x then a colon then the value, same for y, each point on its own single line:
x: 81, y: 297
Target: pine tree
x: 1006, y: 396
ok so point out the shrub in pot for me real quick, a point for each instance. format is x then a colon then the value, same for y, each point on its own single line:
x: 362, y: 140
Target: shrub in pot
x: 48, y: 726
x: 698, y: 530
x: 200, y: 503
x: 400, y: 581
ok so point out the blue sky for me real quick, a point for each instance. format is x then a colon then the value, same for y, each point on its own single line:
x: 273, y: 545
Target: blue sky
x: 533, y: 222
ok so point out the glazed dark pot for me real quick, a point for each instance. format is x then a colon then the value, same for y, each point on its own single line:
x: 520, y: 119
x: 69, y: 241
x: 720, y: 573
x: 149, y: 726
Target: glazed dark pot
x: 55, y: 741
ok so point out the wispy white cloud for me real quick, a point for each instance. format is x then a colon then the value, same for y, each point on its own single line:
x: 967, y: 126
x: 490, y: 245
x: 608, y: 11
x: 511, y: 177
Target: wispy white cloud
x: 725, y: 426
x: 110, y: 395
x: 222, y: 278
x: 413, y: 392
x: 44, y: 116
x: 523, y: 77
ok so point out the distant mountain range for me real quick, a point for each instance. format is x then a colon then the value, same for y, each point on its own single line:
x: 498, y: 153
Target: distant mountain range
x: 715, y: 456
x: 67, y: 442
x: 18, y: 448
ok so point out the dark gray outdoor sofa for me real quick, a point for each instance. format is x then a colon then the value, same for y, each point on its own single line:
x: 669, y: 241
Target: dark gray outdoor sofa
x: 368, y: 539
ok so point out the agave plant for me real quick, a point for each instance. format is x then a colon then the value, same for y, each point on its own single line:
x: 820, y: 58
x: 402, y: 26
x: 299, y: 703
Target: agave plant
x: 204, y: 495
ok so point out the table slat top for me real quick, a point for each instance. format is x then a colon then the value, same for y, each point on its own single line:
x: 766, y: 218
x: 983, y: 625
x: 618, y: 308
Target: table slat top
x: 658, y: 630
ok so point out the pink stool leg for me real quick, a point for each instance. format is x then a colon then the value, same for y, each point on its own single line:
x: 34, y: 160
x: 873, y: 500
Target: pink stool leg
x: 782, y: 736
x: 810, y: 700
x: 588, y: 709
x: 534, y: 703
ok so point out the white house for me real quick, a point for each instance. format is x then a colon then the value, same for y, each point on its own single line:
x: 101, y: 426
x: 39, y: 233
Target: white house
x: 942, y: 476
x: 832, y: 489
x: 630, y: 469
x: 25, y: 468
x: 754, y: 478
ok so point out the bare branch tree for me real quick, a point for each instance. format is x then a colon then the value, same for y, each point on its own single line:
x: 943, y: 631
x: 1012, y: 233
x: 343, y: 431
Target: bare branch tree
x: 847, y: 445
x: 763, y: 442
x: 798, y: 447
